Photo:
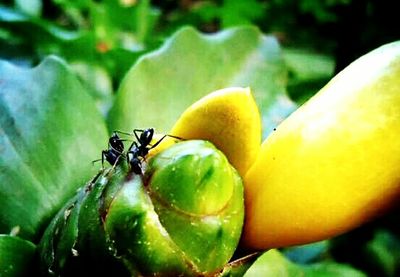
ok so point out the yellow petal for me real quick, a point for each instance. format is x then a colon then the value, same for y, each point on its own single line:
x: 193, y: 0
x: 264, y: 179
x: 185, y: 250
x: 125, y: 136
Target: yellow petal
x: 229, y: 118
x: 334, y: 163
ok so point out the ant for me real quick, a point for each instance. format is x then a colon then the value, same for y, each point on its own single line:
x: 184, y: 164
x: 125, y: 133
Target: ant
x: 138, y: 151
x: 114, y: 152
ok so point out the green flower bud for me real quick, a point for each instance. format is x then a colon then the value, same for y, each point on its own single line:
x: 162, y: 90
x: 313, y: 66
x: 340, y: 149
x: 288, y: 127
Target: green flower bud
x: 188, y: 213
x: 183, y: 217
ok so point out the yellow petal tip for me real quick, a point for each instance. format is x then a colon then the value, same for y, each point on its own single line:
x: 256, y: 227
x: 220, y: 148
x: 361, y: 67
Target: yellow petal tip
x: 230, y: 119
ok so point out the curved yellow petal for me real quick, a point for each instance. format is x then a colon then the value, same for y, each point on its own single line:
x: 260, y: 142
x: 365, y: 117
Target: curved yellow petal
x: 334, y: 163
x: 229, y: 118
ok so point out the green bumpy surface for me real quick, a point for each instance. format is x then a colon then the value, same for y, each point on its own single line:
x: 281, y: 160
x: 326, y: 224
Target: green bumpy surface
x: 184, y: 216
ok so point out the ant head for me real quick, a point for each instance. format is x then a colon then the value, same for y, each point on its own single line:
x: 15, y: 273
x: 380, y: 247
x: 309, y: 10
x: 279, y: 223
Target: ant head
x: 146, y: 136
x: 116, y: 142
x: 114, y: 137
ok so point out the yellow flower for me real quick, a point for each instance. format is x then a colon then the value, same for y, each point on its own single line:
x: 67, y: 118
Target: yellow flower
x: 329, y: 167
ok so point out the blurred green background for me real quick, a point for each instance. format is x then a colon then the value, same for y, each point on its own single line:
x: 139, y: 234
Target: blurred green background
x: 101, y: 40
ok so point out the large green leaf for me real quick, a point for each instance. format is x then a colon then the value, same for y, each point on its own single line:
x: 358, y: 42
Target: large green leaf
x: 162, y: 84
x: 50, y: 132
x: 16, y: 256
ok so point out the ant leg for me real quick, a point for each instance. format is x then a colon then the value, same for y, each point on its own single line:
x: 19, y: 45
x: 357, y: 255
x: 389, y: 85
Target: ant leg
x: 130, y: 147
x: 102, y: 160
x: 103, y: 154
x: 122, y: 132
x: 95, y: 161
x: 158, y: 142
x: 116, y: 162
x: 175, y: 137
x: 136, y: 131
x: 161, y: 139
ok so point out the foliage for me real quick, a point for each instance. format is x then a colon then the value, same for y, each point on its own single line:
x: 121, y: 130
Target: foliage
x: 16, y: 256
x: 50, y: 132
x: 101, y: 40
x: 235, y: 57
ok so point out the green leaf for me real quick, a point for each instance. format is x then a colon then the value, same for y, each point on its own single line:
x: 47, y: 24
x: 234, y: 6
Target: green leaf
x: 331, y: 269
x: 383, y: 252
x: 308, y: 72
x: 162, y: 84
x: 97, y: 82
x: 145, y: 19
x: 50, y: 132
x: 273, y: 263
x: 34, y: 29
x: 241, y: 12
x: 31, y: 7
x: 16, y: 256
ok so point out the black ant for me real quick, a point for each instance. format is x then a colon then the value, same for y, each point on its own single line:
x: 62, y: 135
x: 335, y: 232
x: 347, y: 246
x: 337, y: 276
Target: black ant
x: 114, y: 152
x: 138, y: 151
